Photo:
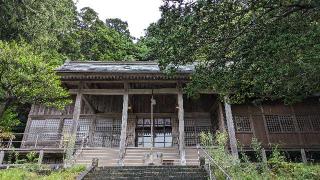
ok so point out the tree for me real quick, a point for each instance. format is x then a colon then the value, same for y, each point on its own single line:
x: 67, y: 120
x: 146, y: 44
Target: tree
x: 37, y: 22
x: 94, y: 40
x: 246, y: 49
x: 118, y: 25
x: 25, y: 78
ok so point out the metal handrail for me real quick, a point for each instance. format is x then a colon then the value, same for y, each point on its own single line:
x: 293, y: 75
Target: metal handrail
x: 212, y: 161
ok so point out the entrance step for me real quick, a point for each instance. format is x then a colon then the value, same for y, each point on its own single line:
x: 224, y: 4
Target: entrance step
x: 149, y: 172
x: 106, y: 156
x: 135, y: 156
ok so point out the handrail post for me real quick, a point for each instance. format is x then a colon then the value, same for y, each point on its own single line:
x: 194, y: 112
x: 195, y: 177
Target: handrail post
x: 10, y: 142
x: 35, y: 144
x: 210, y: 173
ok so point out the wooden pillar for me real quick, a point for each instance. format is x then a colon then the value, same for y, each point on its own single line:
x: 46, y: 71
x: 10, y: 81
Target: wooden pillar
x: 231, y: 130
x: 41, y: 153
x: 303, y: 156
x: 75, y: 122
x: 76, y: 113
x: 1, y: 157
x: 181, y: 128
x: 124, y: 124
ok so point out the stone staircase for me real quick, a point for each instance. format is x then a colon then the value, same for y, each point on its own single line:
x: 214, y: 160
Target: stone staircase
x: 149, y: 172
x: 106, y: 156
x: 192, y: 157
x: 135, y: 156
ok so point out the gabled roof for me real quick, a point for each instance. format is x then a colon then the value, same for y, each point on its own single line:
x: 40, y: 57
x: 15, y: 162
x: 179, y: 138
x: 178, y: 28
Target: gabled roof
x: 117, y: 67
x: 119, y: 71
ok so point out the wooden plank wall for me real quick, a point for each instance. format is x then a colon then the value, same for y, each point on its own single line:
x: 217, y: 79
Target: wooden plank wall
x: 295, y: 126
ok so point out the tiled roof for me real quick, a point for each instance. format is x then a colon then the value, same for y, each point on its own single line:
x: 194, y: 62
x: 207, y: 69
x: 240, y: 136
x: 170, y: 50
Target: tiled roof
x: 118, y: 67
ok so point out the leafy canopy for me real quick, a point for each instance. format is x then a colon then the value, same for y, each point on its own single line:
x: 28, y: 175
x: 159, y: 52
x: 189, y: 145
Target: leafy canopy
x: 92, y: 39
x: 26, y: 78
x: 266, y: 49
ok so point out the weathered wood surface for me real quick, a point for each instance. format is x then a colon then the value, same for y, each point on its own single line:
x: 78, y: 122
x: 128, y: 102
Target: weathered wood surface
x: 303, y: 156
x: 124, y: 124
x: 181, y: 129
x: 231, y: 130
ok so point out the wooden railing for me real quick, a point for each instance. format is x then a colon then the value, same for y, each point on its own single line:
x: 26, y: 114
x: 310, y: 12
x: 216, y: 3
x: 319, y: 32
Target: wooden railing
x: 34, y: 141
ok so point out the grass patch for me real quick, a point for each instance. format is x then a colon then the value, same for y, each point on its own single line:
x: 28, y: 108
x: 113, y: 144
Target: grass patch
x: 33, y: 171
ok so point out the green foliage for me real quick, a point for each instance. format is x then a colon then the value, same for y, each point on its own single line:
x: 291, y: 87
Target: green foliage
x: 118, y: 25
x: 94, y: 40
x: 275, y: 168
x: 32, y: 157
x: 38, y: 22
x: 23, y: 173
x: 265, y: 49
x: 26, y: 78
x: 8, y: 120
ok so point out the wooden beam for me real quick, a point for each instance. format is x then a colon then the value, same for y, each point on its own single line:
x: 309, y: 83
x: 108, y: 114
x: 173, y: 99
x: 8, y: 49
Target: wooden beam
x: 124, y: 124
x: 98, y: 91
x: 130, y: 91
x: 155, y: 91
x: 181, y: 128
x: 231, y: 130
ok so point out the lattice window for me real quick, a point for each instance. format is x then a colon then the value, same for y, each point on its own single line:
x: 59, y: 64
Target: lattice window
x: 242, y: 123
x: 193, y: 129
x: 107, y: 133
x: 276, y: 123
x: 304, y: 123
x: 51, y: 129
x: 83, y: 128
x: 287, y: 124
x: 36, y: 128
x: 315, y: 121
x: 67, y: 127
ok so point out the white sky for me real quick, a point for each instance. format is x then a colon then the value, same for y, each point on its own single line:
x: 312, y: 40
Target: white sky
x: 138, y: 13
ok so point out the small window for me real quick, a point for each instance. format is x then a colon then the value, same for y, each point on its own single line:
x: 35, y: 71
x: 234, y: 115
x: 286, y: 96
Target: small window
x: 242, y: 123
x: 283, y: 123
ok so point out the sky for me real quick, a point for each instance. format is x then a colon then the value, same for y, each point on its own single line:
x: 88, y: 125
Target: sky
x: 138, y: 13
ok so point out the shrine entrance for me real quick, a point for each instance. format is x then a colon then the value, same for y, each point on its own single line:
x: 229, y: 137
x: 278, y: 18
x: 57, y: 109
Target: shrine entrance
x: 162, y: 132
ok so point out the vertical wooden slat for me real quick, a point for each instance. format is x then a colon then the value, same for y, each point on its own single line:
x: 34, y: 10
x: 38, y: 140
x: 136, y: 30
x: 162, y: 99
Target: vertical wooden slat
x: 231, y: 130
x: 124, y: 124
x: 181, y: 128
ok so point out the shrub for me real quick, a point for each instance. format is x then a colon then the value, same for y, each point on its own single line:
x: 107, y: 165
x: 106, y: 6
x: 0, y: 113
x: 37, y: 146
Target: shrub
x: 275, y: 168
x: 31, y: 171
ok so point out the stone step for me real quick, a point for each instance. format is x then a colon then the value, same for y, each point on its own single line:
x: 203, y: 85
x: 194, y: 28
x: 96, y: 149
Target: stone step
x: 149, y: 172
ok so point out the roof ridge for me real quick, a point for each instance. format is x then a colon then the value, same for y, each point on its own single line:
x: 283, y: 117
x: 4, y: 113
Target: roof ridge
x: 113, y: 62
